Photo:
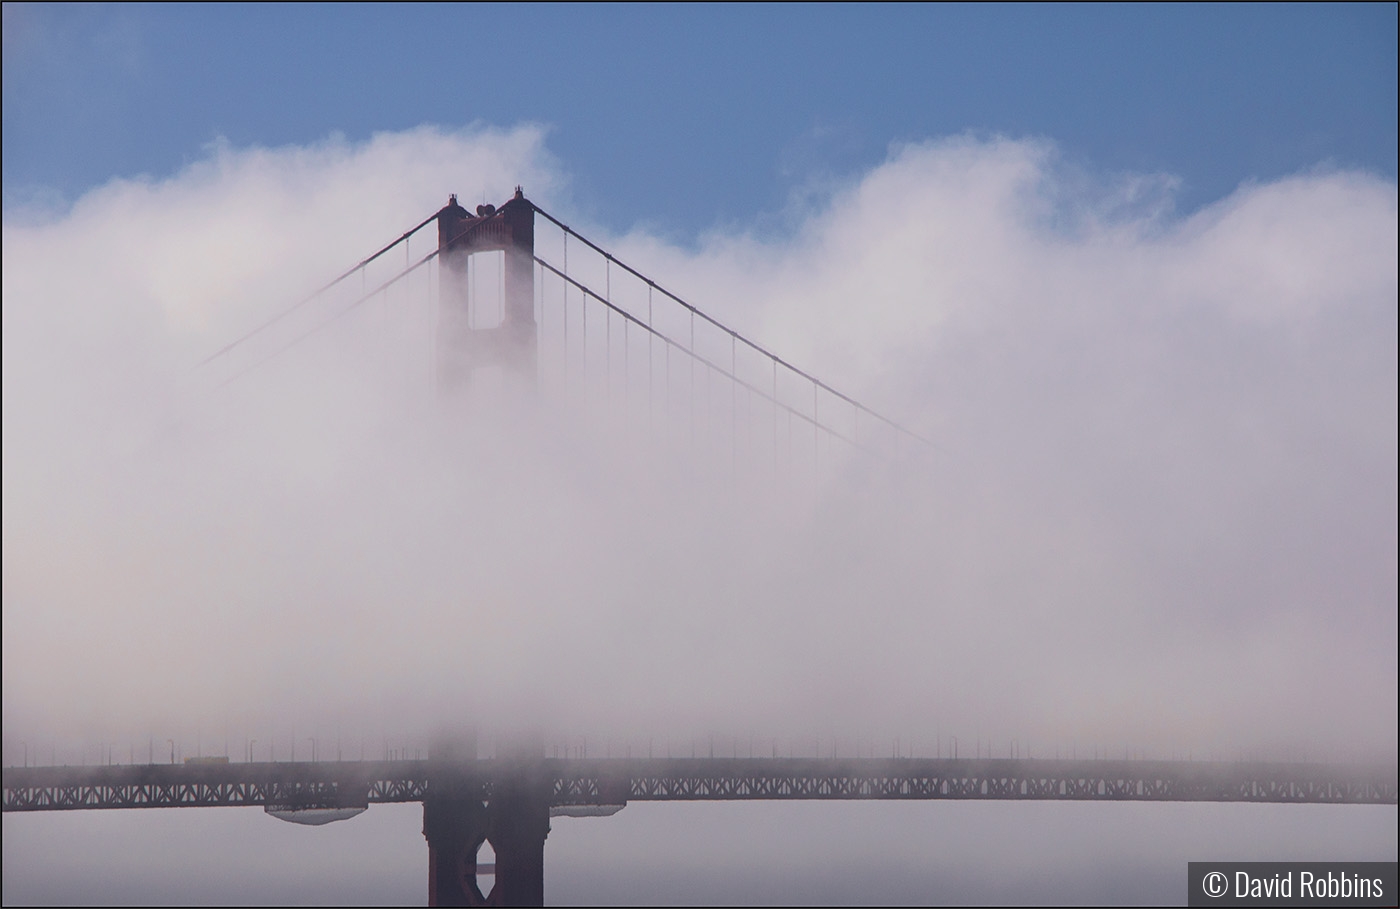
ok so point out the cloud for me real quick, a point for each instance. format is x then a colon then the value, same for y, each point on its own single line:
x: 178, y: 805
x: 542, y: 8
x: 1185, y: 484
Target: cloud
x: 1160, y: 513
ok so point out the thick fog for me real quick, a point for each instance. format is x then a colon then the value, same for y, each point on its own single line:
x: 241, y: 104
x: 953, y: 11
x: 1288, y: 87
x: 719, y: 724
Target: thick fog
x: 1157, y: 515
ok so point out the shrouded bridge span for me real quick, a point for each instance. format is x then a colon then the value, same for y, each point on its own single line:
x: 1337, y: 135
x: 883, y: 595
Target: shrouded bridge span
x: 616, y: 781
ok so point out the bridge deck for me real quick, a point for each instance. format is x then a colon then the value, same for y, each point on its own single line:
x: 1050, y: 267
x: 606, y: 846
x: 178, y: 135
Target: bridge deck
x: 611, y: 781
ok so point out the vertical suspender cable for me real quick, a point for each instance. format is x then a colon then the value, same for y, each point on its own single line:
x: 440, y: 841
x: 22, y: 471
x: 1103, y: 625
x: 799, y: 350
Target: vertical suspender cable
x: 789, y: 440
x: 566, y: 312
x: 692, y: 379
x: 432, y: 324
x: 407, y: 282
x: 709, y: 402
x: 607, y: 328
x: 733, y: 406
x: 537, y: 309
x: 649, y: 355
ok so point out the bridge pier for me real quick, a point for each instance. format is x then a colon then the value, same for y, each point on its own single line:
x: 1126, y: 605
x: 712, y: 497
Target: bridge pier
x: 513, y: 817
x: 454, y: 829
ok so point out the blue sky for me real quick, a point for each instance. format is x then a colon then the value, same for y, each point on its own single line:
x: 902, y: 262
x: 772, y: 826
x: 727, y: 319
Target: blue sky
x: 1162, y: 519
x: 691, y: 117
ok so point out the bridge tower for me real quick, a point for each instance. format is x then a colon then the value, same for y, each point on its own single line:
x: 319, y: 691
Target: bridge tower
x: 464, y: 347
x: 458, y: 813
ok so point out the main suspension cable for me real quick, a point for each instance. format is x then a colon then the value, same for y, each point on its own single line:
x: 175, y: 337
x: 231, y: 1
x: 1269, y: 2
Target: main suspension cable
x: 695, y: 357
x: 694, y: 311
x: 343, y: 311
x: 312, y: 296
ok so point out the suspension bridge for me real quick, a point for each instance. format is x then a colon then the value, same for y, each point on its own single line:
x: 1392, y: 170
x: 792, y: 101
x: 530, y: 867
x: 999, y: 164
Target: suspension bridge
x: 560, y: 314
